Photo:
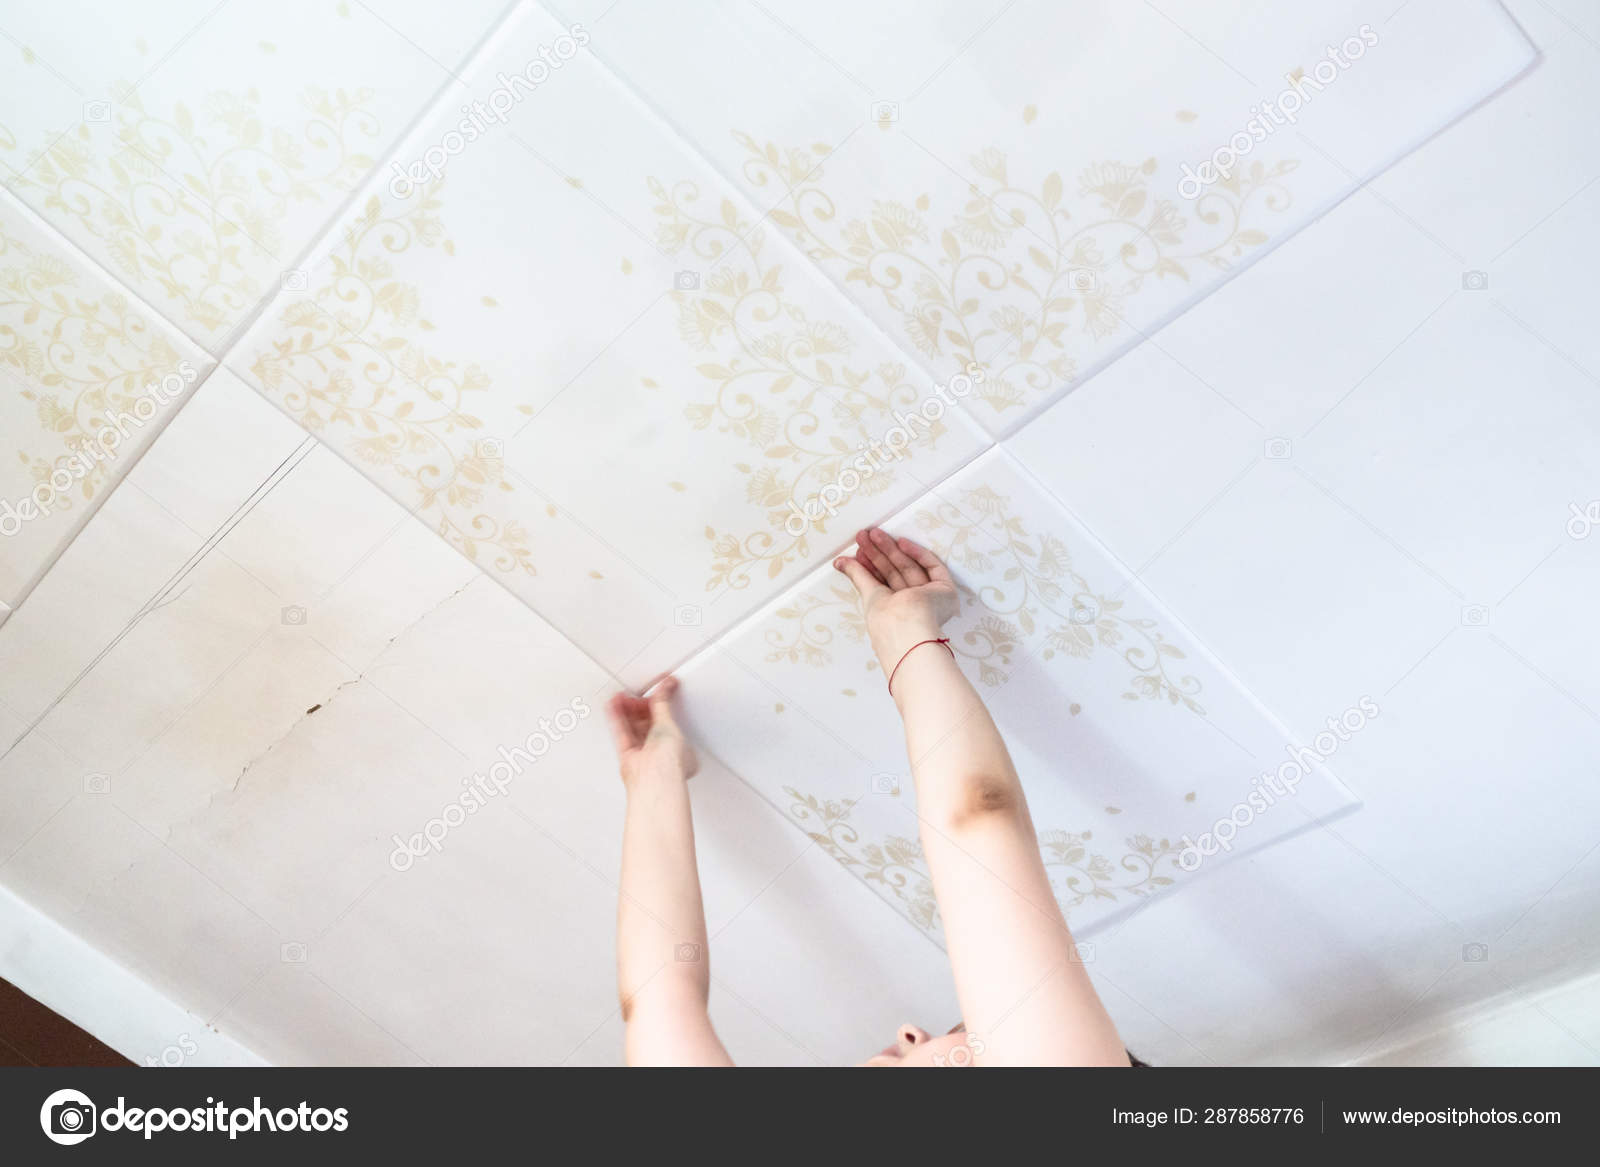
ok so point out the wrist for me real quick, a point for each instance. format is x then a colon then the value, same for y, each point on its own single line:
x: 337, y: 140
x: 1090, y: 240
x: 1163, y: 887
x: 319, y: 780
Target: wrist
x: 892, y: 642
x: 653, y: 780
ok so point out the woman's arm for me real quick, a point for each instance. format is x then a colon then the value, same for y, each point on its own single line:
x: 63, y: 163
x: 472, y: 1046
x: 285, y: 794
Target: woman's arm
x: 1021, y: 988
x: 663, y: 975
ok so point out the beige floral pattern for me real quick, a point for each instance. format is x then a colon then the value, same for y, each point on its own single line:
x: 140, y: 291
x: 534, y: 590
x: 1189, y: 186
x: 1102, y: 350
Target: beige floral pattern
x: 808, y: 624
x: 348, y: 358
x: 1040, y: 597
x: 896, y: 868
x: 79, y: 356
x: 1041, y: 593
x: 1078, y: 874
x: 786, y: 386
x: 1025, y: 277
x: 192, y: 202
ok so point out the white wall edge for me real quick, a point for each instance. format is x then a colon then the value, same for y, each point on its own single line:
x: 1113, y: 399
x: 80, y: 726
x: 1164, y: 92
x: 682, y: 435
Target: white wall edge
x: 94, y: 992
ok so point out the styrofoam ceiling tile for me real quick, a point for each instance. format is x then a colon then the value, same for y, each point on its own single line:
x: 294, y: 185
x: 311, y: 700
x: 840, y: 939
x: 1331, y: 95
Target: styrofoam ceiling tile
x: 1014, y: 198
x: 1476, y: 484
x: 196, y: 149
x: 112, y: 882
x: 1513, y: 143
x: 88, y: 377
x: 589, y: 371
x: 1075, y: 660
x: 291, y: 1017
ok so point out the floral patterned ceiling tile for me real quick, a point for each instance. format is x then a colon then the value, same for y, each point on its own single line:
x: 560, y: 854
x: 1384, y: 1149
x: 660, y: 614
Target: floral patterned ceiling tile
x: 579, y: 358
x: 1134, y: 745
x: 88, y: 377
x: 1038, y: 196
x: 197, y: 149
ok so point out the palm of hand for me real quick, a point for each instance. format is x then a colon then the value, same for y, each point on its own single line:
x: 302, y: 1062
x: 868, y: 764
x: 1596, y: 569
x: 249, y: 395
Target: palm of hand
x: 906, y: 591
x: 935, y: 601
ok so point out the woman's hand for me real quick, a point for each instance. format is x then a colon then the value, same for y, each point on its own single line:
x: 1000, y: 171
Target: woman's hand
x: 650, y: 746
x: 906, y: 592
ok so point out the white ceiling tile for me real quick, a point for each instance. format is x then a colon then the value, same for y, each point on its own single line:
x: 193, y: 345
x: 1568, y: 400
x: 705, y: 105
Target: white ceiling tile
x: 987, y: 212
x: 224, y: 443
x: 1524, y: 146
x: 88, y: 377
x: 446, y: 956
x: 1448, y: 761
x: 100, y: 582
x: 1309, y: 604
x: 1472, y: 481
x: 1140, y: 451
x: 198, y: 150
x: 291, y: 1018
x: 113, y: 883
x: 1075, y: 662
x: 618, y: 448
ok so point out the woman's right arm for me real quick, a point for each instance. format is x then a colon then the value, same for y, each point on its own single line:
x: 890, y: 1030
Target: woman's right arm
x: 1025, y: 997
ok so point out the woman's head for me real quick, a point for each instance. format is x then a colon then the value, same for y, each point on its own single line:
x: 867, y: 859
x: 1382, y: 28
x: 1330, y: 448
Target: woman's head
x: 915, y: 1046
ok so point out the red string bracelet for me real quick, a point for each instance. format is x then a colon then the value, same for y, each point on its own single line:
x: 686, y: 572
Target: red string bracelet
x: 944, y: 640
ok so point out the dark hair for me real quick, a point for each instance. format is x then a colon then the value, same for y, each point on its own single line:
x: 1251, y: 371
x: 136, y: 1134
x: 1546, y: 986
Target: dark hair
x: 1133, y: 1060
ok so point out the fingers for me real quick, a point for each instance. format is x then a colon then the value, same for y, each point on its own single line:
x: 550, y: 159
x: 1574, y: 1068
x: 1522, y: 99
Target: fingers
x: 927, y: 560
x: 865, y: 582
x: 909, y: 569
x: 863, y: 547
x: 867, y: 549
x: 661, y: 704
x: 621, y: 713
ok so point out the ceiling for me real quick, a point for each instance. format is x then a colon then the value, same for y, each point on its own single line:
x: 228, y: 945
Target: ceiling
x: 450, y: 454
